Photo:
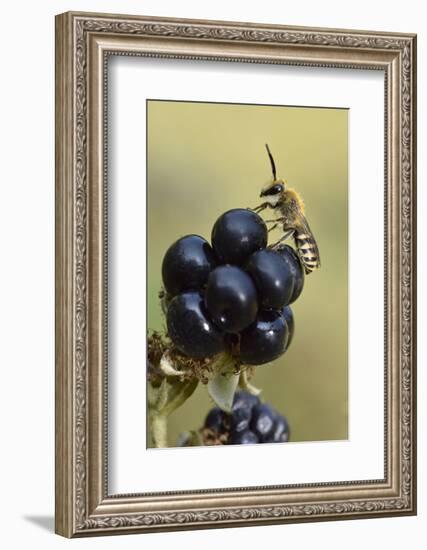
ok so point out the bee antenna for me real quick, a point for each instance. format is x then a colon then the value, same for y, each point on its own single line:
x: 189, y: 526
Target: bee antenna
x: 270, y: 156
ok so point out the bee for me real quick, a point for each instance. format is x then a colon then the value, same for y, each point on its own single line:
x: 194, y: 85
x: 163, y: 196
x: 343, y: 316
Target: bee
x: 289, y: 209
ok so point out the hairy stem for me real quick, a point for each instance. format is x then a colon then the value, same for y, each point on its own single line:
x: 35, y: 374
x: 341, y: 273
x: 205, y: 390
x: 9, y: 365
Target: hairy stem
x: 159, y: 429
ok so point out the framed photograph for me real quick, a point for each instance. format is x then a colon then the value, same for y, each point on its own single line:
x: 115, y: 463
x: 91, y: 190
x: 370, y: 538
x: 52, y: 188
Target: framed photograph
x: 235, y: 274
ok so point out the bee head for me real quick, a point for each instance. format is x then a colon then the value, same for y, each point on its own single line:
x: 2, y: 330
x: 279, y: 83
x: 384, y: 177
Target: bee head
x: 274, y: 189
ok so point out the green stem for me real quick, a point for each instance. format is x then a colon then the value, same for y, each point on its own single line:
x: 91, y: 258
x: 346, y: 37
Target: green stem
x: 159, y: 429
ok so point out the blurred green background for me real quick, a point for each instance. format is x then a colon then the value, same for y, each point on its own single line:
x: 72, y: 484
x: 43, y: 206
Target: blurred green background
x: 205, y: 158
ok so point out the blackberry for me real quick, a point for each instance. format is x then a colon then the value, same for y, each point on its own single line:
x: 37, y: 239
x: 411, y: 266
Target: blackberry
x: 190, y: 329
x: 289, y: 318
x: 237, y: 234
x: 215, y: 420
x: 231, y: 298
x: 295, y: 267
x: 249, y: 422
x: 243, y: 438
x: 273, y: 278
x: 264, y: 340
x: 187, y: 264
x: 232, y: 294
x: 262, y: 421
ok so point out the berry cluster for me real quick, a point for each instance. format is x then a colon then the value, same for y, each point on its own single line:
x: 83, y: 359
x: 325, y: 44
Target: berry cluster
x: 249, y: 422
x: 233, y: 295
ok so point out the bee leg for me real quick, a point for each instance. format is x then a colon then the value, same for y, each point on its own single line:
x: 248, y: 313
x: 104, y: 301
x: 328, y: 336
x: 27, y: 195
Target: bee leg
x: 273, y: 226
x: 260, y: 207
x: 282, y: 238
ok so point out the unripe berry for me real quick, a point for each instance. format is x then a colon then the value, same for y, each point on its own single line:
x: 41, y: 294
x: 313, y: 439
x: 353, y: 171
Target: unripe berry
x: 262, y: 422
x: 250, y: 421
x: 215, y: 420
x: 243, y: 438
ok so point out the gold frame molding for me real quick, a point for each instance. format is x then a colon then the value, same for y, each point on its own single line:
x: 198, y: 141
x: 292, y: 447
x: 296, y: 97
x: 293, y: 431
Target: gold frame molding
x: 83, y: 43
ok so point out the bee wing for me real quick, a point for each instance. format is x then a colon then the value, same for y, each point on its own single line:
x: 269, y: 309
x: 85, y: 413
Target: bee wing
x: 306, y: 238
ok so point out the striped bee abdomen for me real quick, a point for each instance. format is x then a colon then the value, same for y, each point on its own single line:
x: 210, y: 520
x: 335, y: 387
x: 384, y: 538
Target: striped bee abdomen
x: 307, y: 250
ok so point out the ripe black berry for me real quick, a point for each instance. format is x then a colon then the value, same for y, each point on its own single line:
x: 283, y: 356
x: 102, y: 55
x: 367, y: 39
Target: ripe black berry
x: 289, y: 318
x: 265, y: 339
x: 273, y: 278
x: 187, y: 264
x: 190, y: 329
x: 231, y: 298
x: 238, y: 233
x: 295, y: 267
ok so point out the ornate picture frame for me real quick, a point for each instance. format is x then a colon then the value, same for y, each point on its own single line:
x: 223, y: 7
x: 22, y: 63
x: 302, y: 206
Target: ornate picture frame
x: 84, y: 42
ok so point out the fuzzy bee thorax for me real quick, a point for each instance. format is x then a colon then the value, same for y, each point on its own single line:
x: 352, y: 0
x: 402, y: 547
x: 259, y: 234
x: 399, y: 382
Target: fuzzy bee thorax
x: 293, y: 200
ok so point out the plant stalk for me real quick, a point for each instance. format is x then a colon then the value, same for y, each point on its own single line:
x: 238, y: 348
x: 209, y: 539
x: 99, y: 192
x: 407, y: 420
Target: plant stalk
x: 159, y: 429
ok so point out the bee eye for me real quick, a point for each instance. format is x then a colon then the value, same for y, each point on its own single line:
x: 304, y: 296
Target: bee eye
x: 274, y: 189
